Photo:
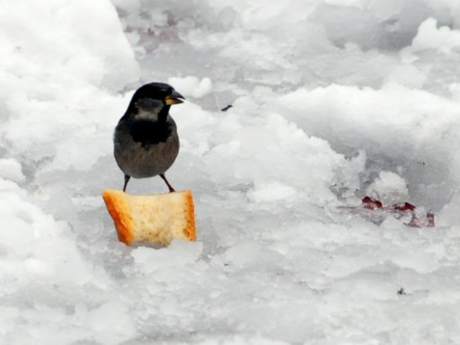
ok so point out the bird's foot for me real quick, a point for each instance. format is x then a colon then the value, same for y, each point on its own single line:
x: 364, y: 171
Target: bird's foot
x: 126, y: 182
x: 171, y: 189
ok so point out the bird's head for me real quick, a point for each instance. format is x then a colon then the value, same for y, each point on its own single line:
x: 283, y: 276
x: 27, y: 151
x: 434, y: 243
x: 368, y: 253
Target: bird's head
x: 153, y: 100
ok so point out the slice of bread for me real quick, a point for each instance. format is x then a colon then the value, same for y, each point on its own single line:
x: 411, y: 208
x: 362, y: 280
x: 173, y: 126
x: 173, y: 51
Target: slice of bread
x: 152, y: 219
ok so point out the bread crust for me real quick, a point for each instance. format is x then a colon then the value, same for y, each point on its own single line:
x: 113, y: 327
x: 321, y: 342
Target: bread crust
x: 152, y: 219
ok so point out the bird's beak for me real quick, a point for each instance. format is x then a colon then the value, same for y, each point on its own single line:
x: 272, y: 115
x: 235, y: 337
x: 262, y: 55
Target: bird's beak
x: 174, y: 98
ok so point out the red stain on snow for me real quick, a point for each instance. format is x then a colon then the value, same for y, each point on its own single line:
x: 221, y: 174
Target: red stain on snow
x: 402, y: 209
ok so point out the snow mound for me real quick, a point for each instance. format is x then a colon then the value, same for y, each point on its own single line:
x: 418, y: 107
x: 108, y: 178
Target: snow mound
x: 422, y: 125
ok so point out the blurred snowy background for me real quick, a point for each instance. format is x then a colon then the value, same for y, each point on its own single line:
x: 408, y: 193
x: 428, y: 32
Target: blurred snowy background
x: 332, y: 100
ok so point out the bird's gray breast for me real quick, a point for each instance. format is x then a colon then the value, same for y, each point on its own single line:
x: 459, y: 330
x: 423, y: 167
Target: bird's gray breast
x: 140, y: 152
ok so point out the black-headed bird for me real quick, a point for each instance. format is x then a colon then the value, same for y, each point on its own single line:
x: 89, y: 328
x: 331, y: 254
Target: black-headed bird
x: 146, y: 143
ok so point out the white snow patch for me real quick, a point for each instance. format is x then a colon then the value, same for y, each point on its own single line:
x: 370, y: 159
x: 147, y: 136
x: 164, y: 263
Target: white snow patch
x: 11, y: 169
x: 191, y: 86
x: 430, y: 36
x: 272, y: 192
x: 389, y: 188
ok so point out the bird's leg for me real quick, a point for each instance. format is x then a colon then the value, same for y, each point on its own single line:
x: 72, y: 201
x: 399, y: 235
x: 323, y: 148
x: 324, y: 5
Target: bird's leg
x: 171, y: 189
x: 127, y: 177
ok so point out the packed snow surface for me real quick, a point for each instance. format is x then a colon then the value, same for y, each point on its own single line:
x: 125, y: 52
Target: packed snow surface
x: 331, y: 101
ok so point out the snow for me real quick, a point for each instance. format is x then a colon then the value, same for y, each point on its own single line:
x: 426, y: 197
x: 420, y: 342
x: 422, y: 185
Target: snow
x: 11, y: 169
x: 389, y: 188
x: 429, y: 36
x: 331, y: 101
x: 191, y: 86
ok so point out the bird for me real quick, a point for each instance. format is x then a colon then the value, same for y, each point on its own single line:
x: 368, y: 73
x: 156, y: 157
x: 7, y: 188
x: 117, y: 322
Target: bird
x: 146, y: 142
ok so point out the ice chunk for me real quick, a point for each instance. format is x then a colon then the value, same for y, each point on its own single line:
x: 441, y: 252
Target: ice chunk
x: 271, y: 192
x: 352, y: 3
x: 179, y: 253
x: 191, y: 86
x: 429, y: 36
x: 11, y: 169
x: 111, y: 322
x: 389, y: 188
